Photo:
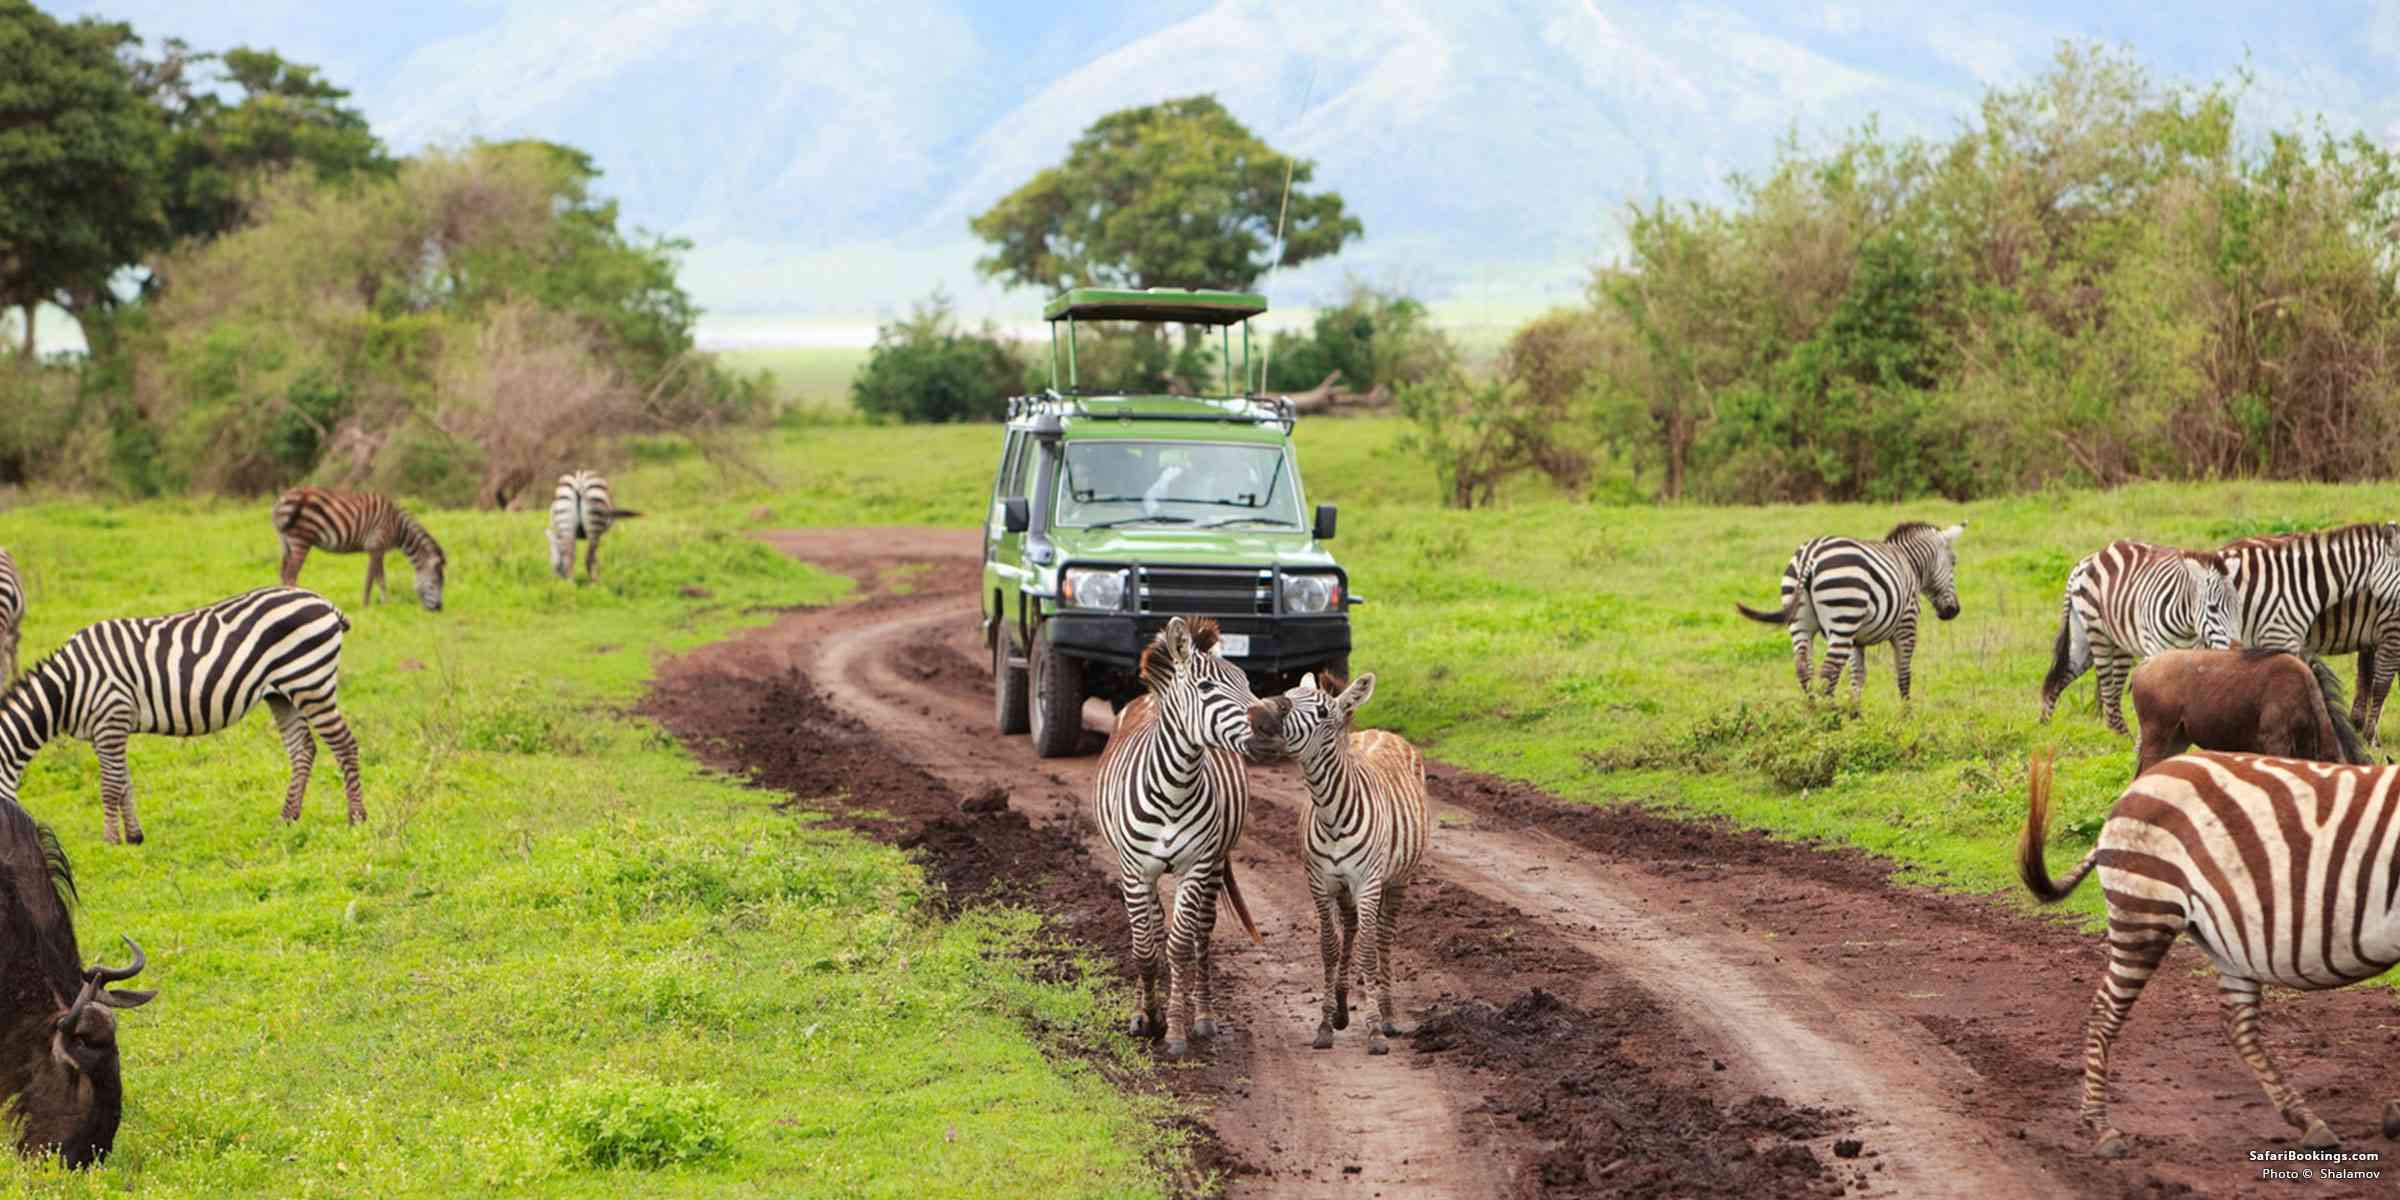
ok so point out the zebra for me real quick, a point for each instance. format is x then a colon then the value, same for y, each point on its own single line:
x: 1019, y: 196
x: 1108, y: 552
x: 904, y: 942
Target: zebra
x: 353, y: 523
x: 2127, y: 601
x: 2284, y: 583
x: 182, y: 675
x: 582, y: 509
x: 2368, y: 625
x: 2281, y: 870
x: 1365, y: 836
x: 1859, y: 593
x: 12, y: 615
x: 1171, y: 796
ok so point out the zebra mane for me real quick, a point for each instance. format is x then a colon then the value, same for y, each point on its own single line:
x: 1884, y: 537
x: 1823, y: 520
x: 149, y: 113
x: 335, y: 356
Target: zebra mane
x: 1904, y: 528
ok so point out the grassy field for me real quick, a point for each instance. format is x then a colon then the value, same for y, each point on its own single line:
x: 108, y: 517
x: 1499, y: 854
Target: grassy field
x: 557, y: 945
x: 1594, y: 649
x: 811, y: 380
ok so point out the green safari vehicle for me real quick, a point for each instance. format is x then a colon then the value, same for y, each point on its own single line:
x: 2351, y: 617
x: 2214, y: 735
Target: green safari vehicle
x: 1114, y: 511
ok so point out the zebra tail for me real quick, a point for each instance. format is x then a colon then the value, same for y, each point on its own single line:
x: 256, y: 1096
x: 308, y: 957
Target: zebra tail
x: 1233, y: 895
x: 622, y: 513
x: 1781, y: 616
x: 2030, y: 865
x: 2069, y: 655
x: 2337, y: 716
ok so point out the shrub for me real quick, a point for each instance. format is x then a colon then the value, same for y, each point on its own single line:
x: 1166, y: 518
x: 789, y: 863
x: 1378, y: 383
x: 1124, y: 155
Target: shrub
x: 924, y: 369
x: 635, y: 1122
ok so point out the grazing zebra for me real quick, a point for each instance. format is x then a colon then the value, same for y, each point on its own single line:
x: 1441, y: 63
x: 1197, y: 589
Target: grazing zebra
x: 12, y: 616
x: 2283, y: 871
x: 1860, y: 593
x: 1365, y: 835
x: 2127, y: 601
x: 1171, y: 798
x: 2285, y: 582
x: 2368, y: 625
x: 354, y: 523
x: 186, y: 674
x: 582, y: 509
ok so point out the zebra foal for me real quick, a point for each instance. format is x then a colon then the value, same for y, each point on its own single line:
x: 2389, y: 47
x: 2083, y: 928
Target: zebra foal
x: 183, y: 675
x: 1857, y: 593
x: 358, y: 523
x: 2128, y: 601
x: 2280, y: 870
x: 1365, y: 833
x: 1171, y: 797
x: 581, y: 510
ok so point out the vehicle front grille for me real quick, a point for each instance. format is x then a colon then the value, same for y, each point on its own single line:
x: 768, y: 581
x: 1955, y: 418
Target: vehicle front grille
x: 1173, y: 591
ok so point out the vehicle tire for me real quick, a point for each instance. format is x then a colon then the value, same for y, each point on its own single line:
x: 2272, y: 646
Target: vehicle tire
x: 1008, y: 688
x: 1057, y: 699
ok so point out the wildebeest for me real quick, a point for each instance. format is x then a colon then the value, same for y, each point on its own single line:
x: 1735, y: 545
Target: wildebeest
x: 58, y: 1035
x: 2251, y: 700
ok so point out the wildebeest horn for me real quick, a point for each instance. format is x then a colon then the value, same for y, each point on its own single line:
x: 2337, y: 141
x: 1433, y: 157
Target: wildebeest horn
x: 112, y: 974
x: 98, y: 975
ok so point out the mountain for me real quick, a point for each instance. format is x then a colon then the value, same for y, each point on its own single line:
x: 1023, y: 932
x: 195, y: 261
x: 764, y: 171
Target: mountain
x: 824, y: 157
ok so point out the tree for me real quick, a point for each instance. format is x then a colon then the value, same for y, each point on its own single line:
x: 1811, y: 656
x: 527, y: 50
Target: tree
x: 1177, y: 194
x: 924, y: 368
x: 282, y: 114
x: 79, y: 150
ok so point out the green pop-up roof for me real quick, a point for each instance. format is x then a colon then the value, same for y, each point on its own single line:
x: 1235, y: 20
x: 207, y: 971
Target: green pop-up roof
x: 1155, y: 304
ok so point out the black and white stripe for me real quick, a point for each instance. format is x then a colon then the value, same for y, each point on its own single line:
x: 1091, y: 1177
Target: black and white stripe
x: 2282, y: 871
x: 1857, y: 593
x: 2367, y: 625
x: 2285, y: 582
x: 182, y: 675
x: 581, y: 509
x: 2128, y: 601
x: 358, y: 523
x: 1364, y: 836
x: 1171, y: 797
x: 12, y: 615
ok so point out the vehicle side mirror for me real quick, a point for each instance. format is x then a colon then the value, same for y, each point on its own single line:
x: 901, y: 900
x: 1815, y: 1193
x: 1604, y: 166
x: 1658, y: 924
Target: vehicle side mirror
x: 1016, y: 514
x: 1324, y: 530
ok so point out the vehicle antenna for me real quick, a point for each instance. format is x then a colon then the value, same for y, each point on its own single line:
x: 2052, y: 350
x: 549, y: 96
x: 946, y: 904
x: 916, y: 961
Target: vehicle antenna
x: 1283, y: 209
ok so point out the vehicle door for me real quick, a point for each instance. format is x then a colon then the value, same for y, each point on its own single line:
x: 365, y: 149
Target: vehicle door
x: 1001, y: 564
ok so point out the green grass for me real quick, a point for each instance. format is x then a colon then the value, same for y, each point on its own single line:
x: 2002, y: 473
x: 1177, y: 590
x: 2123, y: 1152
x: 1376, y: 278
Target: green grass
x: 1594, y: 650
x: 558, y: 944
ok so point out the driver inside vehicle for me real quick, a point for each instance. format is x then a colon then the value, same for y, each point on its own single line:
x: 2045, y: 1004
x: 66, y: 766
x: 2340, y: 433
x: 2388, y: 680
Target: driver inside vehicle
x: 1119, y: 483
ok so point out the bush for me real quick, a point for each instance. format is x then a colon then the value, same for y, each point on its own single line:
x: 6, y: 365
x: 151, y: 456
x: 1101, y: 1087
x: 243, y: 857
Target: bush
x: 1376, y: 338
x: 924, y: 369
x: 629, y: 1121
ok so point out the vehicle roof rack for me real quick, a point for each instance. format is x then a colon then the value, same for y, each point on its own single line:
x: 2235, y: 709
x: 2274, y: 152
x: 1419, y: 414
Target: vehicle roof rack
x: 1234, y: 410
x: 1190, y: 306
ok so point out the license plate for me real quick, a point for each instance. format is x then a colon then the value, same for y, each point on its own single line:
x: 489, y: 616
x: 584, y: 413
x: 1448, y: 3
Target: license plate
x: 1233, y: 645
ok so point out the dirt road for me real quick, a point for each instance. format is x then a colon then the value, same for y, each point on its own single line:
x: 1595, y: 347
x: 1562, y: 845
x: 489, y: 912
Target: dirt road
x: 1605, y: 1002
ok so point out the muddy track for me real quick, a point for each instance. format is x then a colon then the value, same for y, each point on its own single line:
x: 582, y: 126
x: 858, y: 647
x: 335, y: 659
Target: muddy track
x: 1606, y: 1002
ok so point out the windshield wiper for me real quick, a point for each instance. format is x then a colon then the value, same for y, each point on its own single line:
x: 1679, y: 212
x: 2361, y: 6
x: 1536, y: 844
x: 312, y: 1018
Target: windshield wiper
x: 1275, y: 521
x: 1162, y: 518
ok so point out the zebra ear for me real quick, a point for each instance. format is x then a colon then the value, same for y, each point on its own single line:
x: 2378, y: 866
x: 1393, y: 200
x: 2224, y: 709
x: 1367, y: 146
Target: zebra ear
x: 1951, y: 534
x: 1308, y: 683
x: 1177, y: 639
x: 1356, y: 694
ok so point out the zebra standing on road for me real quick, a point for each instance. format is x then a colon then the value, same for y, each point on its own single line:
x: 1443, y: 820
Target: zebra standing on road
x: 2282, y: 871
x: 582, y: 509
x: 2285, y: 582
x: 12, y: 616
x: 182, y: 675
x: 356, y: 523
x: 2367, y: 625
x: 1172, y: 796
x: 2130, y: 600
x: 1858, y: 593
x: 1365, y: 834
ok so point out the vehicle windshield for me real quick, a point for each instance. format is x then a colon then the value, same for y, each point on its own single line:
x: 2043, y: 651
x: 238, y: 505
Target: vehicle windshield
x: 1175, y: 483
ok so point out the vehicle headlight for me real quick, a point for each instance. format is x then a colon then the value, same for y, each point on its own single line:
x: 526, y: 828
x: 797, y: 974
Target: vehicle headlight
x: 1311, y: 594
x: 1095, y: 587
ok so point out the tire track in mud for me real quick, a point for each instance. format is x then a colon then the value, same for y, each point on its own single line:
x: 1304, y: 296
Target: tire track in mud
x: 1683, y: 965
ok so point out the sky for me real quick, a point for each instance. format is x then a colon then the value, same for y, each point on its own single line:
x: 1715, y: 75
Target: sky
x: 824, y: 156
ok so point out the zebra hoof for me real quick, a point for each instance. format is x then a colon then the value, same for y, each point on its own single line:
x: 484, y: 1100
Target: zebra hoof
x: 1324, y: 1037
x: 2112, y: 1145
x: 1145, y: 1026
x: 2320, y: 1136
x: 1205, y: 1027
x: 1376, y: 1045
x: 134, y: 838
x: 1177, y: 1047
x: 1390, y: 1030
x: 1341, y: 1009
x: 2391, y: 1120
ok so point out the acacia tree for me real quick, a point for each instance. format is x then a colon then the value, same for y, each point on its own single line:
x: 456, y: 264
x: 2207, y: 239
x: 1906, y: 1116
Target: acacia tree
x: 1176, y: 194
x: 236, y: 116
x: 79, y: 150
